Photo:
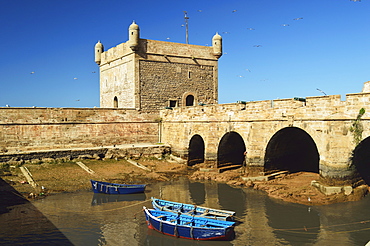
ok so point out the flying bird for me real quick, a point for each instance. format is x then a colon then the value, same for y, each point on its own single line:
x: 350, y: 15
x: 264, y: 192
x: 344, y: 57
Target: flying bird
x: 285, y: 24
x: 251, y: 29
x: 300, y: 18
x: 355, y: 0
x: 32, y: 72
x: 234, y: 11
x: 75, y: 78
x: 257, y: 45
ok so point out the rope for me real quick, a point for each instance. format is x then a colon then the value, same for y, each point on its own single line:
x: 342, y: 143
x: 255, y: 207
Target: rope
x: 106, y: 210
x: 324, y: 227
x: 334, y: 232
x: 292, y: 230
x: 305, y: 230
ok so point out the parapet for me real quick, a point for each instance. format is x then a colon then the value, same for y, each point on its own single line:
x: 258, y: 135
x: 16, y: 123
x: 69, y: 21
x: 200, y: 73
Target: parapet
x: 366, y: 88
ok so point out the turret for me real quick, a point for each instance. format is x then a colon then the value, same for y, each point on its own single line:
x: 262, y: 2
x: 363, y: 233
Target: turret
x: 134, y: 36
x: 217, y: 45
x: 99, y: 49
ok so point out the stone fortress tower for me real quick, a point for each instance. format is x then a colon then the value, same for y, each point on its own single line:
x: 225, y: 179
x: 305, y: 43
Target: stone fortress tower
x: 150, y: 75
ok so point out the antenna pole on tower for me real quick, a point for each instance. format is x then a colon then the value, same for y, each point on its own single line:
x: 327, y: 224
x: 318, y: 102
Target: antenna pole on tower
x: 186, y: 18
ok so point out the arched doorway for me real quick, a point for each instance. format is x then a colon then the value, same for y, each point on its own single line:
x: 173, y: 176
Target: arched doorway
x: 361, y: 159
x: 230, y: 150
x: 115, y: 102
x: 291, y: 149
x: 189, y: 100
x: 196, y: 150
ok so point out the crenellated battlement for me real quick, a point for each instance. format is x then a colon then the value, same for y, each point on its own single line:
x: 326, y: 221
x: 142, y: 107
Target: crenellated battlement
x: 319, y: 108
x: 150, y: 75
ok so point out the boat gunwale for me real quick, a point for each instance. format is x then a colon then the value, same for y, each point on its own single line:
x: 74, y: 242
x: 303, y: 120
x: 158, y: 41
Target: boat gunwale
x: 226, y: 230
x: 212, y: 213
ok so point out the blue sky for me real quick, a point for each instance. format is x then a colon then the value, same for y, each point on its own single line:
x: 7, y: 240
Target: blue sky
x: 272, y: 48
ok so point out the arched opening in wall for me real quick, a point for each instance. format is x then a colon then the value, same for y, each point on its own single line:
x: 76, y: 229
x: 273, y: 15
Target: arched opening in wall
x: 291, y: 149
x: 361, y: 159
x: 189, y: 100
x: 115, y: 102
x: 196, y: 150
x: 230, y: 150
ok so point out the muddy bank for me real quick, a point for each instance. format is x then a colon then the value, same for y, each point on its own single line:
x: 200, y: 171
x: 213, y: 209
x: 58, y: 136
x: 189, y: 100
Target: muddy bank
x: 295, y: 187
x: 52, y: 178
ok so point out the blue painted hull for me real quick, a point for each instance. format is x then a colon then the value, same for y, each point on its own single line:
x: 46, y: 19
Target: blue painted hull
x: 192, y: 210
x: 185, y: 226
x: 112, y: 188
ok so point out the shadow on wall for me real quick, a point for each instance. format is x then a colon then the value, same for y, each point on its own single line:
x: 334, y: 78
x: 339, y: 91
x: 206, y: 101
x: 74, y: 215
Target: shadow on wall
x: 196, y: 150
x: 291, y: 149
x: 361, y: 159
x: 231, y: 150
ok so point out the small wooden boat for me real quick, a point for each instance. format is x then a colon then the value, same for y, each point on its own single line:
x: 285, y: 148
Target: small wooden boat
x: 189, y: 227
x: 112, y: 188
x: 192, y: 210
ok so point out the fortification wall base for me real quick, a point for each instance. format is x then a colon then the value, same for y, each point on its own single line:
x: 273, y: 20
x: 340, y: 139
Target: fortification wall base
x: 123, y: 151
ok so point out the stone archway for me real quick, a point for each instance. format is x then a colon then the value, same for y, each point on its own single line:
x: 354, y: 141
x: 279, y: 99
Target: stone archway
x: 361, y: 159
x: 196, y: 150
x: 189, y: 99
x: 291, y: 149
x: 231, y: 150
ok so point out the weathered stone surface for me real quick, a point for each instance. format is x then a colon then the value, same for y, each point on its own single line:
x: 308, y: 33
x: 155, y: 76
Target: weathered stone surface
x: 93, y: 153
x: 326, y: 119
x: 23, y: 129
x: 158, y: 74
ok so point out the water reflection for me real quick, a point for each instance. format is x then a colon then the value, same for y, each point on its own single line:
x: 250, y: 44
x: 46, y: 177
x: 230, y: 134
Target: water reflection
x: 263, y: 221
x: 100, y: 198
x: 197, y: 192
x: 21, y: 223
x: 297, y: 225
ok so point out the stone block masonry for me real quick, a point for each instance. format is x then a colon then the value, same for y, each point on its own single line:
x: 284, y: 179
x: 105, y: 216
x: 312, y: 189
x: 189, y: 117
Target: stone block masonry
x: 24, y: 129
x: 322, y: 125
x: 119, y: 151
x: 164, y: 81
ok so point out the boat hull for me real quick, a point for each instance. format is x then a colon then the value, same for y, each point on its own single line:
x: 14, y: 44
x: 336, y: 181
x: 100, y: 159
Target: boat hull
x: 188, y: 227
x: 113, y: 188
x: 192, y: 210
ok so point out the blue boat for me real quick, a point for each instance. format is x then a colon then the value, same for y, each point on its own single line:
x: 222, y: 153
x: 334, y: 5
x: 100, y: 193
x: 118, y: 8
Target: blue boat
x: 193, y: 210
x: 112, y: 188
x: 189, y: 227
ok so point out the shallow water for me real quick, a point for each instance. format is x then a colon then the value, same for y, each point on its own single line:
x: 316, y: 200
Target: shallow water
x: 85, y: 218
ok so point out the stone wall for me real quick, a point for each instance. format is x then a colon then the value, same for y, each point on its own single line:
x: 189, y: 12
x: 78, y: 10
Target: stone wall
x: 156, y: 73
x: 63, y: 155
x: 24, y: 129
x: 326, y: 119
x: 162, y: 81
